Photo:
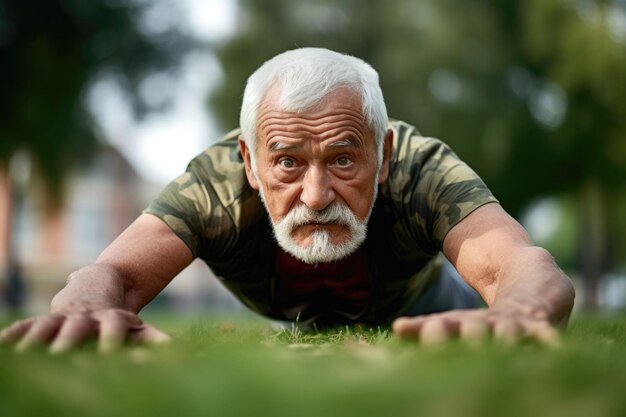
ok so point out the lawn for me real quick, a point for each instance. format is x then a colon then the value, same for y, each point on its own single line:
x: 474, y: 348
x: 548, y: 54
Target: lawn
x: 226, y: 367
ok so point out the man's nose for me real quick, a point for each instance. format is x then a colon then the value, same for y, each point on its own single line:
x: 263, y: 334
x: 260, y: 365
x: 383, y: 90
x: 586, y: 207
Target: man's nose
x: 317, y: 191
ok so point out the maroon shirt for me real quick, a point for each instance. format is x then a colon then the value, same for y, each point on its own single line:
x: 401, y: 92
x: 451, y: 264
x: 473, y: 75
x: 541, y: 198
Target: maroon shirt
x: 340, y: 289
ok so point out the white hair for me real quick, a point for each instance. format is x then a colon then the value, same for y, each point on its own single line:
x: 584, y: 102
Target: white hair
x: 306, y: 77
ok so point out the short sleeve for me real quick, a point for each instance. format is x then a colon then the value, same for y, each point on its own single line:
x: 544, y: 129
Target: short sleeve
x: 181, y: 206
x: 450, y: 189
x: 430, y: 190
x: 209, y: 205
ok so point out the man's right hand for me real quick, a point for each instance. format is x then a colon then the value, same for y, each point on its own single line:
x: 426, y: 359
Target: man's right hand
x: 63, y: 332
x: 102, y: 299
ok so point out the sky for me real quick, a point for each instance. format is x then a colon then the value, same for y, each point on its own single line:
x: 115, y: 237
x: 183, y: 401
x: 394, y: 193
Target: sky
x: 160, y: 146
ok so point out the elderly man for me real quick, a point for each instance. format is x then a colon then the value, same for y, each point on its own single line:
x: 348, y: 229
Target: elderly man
x: 321, y: 211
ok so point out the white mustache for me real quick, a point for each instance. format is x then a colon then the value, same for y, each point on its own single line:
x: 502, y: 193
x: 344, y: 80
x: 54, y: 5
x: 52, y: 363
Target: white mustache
x: 336, y: 213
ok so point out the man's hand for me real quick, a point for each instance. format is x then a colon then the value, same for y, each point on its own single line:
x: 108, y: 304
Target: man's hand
x: 102, y: 299
x: 475, y: 326
x: 63, y: 332
x: 527, y: 293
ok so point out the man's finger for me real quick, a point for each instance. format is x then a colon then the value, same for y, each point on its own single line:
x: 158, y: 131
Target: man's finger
x: 473, y: 331
x: 15, y: 331
x: 74, y: 330
x: 150, y: 335
x: 408, y: 326
x: 435, y: 331
x: 41, y: 332
x: 113, y: 330
x: 544, y: 333
x: 508, y: 331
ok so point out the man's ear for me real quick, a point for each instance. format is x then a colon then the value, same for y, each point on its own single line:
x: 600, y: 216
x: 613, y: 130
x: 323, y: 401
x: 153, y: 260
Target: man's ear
x: 245, y: 153
x: 387, y: 147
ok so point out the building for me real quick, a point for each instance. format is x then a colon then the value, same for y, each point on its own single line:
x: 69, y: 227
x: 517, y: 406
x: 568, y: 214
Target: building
x: 100, y: 203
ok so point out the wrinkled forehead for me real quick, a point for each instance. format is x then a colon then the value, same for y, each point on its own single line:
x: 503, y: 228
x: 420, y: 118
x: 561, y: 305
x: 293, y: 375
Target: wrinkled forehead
x: 336, y: 121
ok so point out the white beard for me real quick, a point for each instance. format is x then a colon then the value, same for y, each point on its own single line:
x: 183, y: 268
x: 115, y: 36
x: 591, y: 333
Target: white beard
x: 322, y: 249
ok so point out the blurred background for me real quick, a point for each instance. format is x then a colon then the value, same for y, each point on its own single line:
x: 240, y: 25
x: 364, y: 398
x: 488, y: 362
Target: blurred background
x: 104, y: 101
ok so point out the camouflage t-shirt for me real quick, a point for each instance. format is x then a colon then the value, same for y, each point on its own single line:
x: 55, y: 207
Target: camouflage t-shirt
x: 213, y: 209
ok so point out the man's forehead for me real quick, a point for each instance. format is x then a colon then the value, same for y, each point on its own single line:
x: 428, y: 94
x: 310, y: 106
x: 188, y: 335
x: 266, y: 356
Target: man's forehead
x: 279, y: 131
x: 348, y: 142
x: 338, y: 111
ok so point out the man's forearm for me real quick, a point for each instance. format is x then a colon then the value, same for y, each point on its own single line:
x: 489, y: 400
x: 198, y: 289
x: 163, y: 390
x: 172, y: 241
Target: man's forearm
x: 533, y: 284
x: 96, y: 286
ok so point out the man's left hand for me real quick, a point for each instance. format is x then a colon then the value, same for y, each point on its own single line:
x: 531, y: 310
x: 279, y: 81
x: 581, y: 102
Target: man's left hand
x: 475, y: 326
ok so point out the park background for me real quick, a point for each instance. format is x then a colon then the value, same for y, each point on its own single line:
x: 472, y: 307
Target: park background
x: 104, y: 101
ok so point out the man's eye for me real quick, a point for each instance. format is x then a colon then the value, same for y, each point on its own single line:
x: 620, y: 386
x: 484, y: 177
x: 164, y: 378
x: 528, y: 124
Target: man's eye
x: 287, y: 163
x: 343, y: 161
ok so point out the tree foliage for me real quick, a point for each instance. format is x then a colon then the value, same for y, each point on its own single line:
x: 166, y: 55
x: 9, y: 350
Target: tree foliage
x: 51, y: 51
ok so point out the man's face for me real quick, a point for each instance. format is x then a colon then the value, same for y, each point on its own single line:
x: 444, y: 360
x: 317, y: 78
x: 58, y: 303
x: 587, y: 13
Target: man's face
x: 317, y: 174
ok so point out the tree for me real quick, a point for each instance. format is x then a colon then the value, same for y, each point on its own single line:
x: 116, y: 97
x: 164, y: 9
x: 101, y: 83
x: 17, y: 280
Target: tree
x: 531, y: 93
x: 582, y: 48
x: 51, y: 52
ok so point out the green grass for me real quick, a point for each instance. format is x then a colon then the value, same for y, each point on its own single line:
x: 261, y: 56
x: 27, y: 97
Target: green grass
x: 236, y: 368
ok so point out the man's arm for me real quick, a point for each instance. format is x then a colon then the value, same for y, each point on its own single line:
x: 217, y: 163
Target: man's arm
x: 103, y: 298
x: 526, y: 291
